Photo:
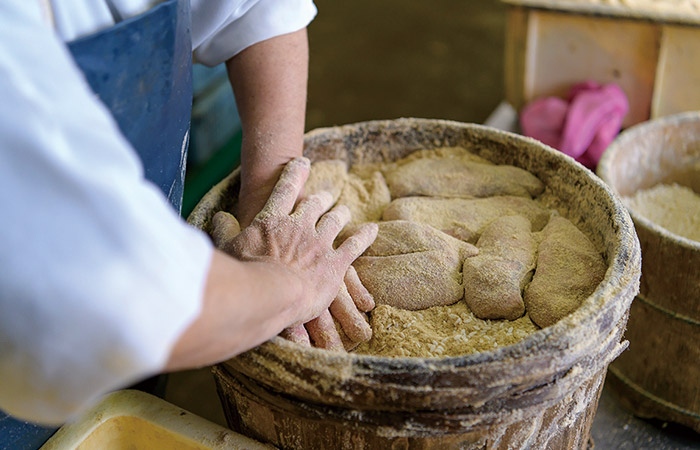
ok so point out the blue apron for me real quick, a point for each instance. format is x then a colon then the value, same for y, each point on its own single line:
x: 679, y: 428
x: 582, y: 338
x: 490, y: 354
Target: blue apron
x: 141, y: 69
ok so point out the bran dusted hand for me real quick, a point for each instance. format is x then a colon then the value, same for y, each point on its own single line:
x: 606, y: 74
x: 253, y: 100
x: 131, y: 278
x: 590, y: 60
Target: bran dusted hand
x: 299, y: 240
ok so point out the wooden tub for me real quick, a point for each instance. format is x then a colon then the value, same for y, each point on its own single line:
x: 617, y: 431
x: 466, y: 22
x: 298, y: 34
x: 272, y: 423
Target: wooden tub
x: 660, y: 374
x: 539, y: 393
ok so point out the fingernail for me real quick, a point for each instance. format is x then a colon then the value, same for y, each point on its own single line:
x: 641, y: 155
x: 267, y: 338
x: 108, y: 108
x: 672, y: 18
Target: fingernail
x: 373, y: 227
x: 370, y: 301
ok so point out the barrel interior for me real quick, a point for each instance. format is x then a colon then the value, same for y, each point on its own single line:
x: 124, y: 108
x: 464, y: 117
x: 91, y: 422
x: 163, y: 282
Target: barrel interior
x: 658, y: 152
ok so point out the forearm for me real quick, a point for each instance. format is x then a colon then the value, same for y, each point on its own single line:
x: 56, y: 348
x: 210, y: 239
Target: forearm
x: 269, y: 80
x: 244, y: 304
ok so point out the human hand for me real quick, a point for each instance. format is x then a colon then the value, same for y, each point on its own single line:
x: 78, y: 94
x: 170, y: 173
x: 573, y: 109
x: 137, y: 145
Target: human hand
x: 301, y: 242
x: 348, y: 310
x: 251, y: 200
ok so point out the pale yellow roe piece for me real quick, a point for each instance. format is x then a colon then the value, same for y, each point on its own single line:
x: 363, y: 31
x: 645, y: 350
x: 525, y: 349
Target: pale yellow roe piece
x: 365, y: 198
x: 674, y: 207
x: 495, y: 278
x: 459, y: 177
x: 569, y: 268
x: 440, y: 331
x: 463, y: 218
x: 413, y: 266
x: 329, y: 176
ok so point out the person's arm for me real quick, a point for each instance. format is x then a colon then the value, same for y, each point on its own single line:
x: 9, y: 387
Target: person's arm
x: 269, y: 80
x: 264, y: 46
x: 100, y: 275
x: 286, y: 272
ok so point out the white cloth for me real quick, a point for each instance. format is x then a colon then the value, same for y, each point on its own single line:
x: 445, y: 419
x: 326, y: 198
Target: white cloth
x: 99, y: 277
x: 220, y: 28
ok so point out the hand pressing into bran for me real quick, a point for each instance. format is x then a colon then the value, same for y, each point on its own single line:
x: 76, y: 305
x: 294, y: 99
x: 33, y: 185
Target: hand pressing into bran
x: 298, y: 241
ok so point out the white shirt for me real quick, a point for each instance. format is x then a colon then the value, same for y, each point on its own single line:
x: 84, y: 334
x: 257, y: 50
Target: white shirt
x: 98, y: 274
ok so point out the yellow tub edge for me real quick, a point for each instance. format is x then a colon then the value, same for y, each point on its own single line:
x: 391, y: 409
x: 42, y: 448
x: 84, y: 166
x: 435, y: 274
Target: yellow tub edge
x: 163, y: 416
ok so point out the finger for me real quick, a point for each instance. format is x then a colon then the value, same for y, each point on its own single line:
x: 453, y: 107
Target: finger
x: 348, y: 343
x: 323, y: 333
x: 333, y: 222
x: 285, y: 193
x: 225, y: 227
x: 312, y: 207
x: 298, y: 334
x: 351, y: 320
x: 359, y: 293
x: 358, y: 242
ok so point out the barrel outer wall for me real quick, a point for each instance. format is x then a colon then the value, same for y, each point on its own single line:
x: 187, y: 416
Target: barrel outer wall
x: 658, y: 376
x: 252, y: 410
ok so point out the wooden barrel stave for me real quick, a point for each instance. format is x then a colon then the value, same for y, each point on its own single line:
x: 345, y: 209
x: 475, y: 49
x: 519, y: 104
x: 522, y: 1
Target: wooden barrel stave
x: 294, y: 424
x: 659, y: 376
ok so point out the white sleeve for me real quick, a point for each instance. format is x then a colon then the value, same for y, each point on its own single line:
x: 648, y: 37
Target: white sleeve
x: 222, y: 28
x: 99, y: 276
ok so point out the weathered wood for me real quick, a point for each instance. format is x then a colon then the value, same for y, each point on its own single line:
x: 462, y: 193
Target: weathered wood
x: 515, y: 53
x: 288, y: 423
x: 660, y: 374
x: 539, y: 393
x: 678, y: 71
x: 664, y: 12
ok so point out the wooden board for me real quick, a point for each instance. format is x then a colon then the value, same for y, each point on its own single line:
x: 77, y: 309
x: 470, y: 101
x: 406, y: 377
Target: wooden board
x: 564, y: 49
x: 677, y: 86
x: 666, y: 11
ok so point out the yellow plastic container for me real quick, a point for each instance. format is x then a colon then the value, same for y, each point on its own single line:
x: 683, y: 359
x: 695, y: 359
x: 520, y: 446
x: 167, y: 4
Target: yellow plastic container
x: 135, y: 420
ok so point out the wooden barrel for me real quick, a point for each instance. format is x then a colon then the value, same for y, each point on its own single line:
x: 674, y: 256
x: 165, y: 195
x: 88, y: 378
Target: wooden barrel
x: 539, y: 393
x: 660, y: 374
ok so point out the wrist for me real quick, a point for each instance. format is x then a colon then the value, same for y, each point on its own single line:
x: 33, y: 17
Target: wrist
x: 262, y: 165
x: 259, y: 174
x: 292, y: 307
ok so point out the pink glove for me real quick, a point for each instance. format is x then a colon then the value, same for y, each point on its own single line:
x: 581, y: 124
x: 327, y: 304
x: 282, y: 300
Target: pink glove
x: 583, y: 125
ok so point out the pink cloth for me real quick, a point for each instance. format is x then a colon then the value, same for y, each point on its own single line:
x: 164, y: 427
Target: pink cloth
x: 583, y: 125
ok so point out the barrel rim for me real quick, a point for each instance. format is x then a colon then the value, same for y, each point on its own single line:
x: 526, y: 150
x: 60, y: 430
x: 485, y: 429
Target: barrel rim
x: 630, y: 134
x: 624, y: 265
